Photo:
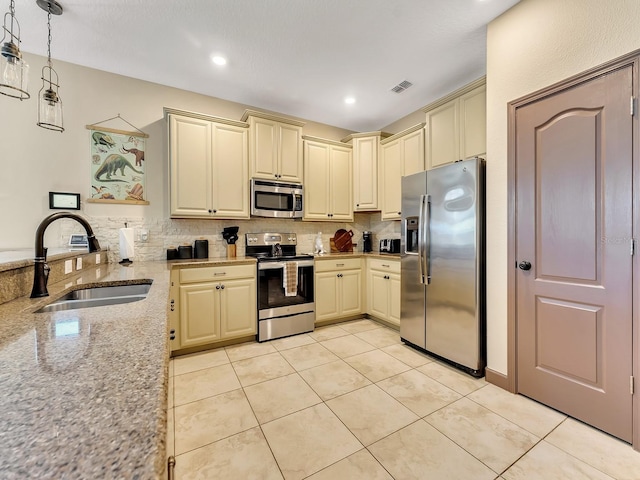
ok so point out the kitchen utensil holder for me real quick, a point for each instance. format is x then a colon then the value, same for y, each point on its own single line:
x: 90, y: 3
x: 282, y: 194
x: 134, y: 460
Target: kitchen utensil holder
x: 231, y: 250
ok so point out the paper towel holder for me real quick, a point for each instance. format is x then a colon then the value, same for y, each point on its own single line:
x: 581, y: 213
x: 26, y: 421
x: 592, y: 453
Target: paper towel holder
x: 125, y: 261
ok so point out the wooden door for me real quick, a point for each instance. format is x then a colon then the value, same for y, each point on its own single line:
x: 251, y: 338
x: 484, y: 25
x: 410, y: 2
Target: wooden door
x: 238, y: 308
x: 350, y: 285
x: 289, y: 153
x: 473, y: 123
x: 341, y: 184
x: 443, y: 134
x: 574, y: 227
x: 199, y: 314
x: 365, y: 173
x: 326, y: 296
x: 263, y: 148
x: 317, y: 163
x: 378, y: 294
x: 230, y: 172
x: 390, y: 183
x: 413, y: 152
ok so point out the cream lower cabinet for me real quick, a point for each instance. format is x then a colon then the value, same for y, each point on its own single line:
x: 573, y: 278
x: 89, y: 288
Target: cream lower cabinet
x: 213, y: 304
x: 208, y: 166
x: 328, y: 185
x: 383, y: 289
x: 402, y: 154
x: 338, y: 288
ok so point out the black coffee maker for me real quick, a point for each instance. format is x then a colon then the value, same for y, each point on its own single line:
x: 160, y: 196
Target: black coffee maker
x: 367, y: 239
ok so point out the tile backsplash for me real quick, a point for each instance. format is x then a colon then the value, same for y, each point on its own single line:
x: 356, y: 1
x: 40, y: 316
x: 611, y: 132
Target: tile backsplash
x: 164, y: 233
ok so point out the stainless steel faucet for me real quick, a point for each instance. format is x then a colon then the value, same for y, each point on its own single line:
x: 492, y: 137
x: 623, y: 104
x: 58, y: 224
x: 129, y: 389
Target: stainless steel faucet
x: 40, y: 267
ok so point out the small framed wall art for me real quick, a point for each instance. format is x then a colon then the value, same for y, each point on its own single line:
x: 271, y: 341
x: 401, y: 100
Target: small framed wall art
x: 64, y: 201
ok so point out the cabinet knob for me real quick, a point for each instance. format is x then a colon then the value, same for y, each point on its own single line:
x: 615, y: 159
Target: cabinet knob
x: 357, y: 204
x: 399, y: 213
x: 210, y: 211
x: 222, y: 287
x: 217, y: 287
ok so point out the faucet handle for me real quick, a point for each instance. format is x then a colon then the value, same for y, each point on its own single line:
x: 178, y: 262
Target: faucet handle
x: 47, y: 269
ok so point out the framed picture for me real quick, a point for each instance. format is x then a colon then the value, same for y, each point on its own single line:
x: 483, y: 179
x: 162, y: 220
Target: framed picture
x: 117, y: 166
x: 64, y: 201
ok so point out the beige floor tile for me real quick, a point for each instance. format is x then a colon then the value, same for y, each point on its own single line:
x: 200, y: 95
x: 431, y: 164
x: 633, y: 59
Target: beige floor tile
x: 279, y: 397
x: 380, y: 337
x: 376, y: 365
x: 420, y: 452
x: 333, y: 379
x: 487, y: 436
x: 260, y: 369
x: 327, y: 333
x: 421, y: 394
x: 199, y: 361
x: 170, y: 390
x: 245, y: 456
x: 347, y: 346
x: 546, y: 462
x: 522, y: 411
x: 408, y: 355
x: 603, y: 452
x: 249, y: 350
x: 211, y: 419
x: 308, y: 441
x: 200, y: 384
x: 358, y: 326
x: 360, y: 465
x: 371, y: 414
x: 456, y: 380
x: 308, y: 356
x: 171, y: 445
x: 292, y: 342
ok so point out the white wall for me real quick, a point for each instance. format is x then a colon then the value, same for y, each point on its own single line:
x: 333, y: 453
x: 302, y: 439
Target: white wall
x: 533, y: 45
x: 34, y: 161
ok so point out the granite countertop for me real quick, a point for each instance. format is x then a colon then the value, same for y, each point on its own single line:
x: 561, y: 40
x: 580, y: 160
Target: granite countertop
x: 358, y: 254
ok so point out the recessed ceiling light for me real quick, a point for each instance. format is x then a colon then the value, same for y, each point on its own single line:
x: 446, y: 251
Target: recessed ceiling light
x: 349, y: 100
x: 218, y: 60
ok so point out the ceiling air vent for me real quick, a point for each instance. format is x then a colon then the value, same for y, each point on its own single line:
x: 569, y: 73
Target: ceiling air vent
x: 402, y: 86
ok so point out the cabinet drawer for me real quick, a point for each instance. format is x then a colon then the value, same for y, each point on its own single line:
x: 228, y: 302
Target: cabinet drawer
x: 206, y: 274
x: 392, y: 265
x: 337, y: 264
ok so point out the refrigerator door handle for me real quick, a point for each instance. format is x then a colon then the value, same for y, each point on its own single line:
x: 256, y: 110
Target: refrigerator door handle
x: 423, y: 239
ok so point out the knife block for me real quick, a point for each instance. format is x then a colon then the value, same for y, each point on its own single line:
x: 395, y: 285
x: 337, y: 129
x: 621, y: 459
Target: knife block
x: 231, y: 250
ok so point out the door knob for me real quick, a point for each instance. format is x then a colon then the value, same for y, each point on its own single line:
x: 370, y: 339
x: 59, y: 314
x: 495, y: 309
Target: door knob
x: 524, y: 265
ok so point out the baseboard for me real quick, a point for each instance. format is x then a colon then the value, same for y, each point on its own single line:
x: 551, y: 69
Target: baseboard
x: 496, y: 378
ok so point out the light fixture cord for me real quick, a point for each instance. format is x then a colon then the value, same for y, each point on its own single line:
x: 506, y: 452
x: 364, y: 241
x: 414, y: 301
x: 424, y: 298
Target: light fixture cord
x: 12, y: 12
x: 49, y: 45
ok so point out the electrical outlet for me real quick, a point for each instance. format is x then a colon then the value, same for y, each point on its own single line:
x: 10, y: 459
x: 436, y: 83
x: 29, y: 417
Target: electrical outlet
x: 79, y: 263
x: 97, y: 259
x: 68, y: 266
x: 144, y: 235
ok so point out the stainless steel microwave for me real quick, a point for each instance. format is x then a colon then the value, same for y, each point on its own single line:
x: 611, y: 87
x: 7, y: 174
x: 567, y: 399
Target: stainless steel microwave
x: 276, y: 199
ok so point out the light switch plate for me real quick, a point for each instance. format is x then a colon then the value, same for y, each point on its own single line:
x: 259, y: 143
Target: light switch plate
x: 68, y: 266
x: 79, y: 263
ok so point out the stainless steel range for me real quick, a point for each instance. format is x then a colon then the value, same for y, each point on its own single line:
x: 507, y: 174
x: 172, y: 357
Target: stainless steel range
x: 285, y: 285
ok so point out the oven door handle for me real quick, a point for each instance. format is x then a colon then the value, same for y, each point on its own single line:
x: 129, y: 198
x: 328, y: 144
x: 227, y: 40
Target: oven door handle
x: 275, y: 265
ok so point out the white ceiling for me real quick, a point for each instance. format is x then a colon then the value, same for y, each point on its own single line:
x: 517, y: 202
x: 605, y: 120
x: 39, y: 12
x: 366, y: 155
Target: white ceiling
x: 297, y: 57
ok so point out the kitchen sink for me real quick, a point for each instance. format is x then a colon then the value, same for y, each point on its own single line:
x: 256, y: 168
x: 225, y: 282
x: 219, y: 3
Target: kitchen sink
x: 98, y: 296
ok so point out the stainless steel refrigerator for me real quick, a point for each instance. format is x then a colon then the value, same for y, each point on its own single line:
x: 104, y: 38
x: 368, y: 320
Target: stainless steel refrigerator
x: 443, y: 267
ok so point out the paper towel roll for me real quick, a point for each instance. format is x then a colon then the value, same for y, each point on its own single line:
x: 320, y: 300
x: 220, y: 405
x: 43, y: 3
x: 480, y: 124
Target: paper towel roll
x: 126, y: 243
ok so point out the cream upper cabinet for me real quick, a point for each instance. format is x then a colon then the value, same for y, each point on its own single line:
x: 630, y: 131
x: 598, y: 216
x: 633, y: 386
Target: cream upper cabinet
x: 366, y: 148
x: 328, y: 182
x: 338, y: 285
x: 213, y: 304
x: 383, y: 289
x: 275, y: 147
x: 456, y: 126
x: 402, y: 154
x: 208, y: 166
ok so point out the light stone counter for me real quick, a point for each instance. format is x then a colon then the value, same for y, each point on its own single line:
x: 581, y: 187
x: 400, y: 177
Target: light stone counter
x: 358, y: 255
x: 83, y: 393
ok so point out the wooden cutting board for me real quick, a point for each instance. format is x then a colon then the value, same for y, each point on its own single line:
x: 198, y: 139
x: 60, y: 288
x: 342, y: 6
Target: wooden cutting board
x: 342, y: 240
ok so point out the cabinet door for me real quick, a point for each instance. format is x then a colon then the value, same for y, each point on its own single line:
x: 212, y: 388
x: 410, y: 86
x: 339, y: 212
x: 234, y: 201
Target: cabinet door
x: 350, y: 287
x: 290, y: 153
x: 378, y: 294
x: 413, y: 152
x: 326, y: 296
x: 365, y: 173
x: 341, y: 185
x: 473, y: 123
x: 390, y: 175
x: 238, y: 308
x: 316, y: 180
x: 443, y: 135
x: 394, y: 298
x: 263, y: 148
x: 230, y: 172
x: 199, y: 318
x: 190, y: 166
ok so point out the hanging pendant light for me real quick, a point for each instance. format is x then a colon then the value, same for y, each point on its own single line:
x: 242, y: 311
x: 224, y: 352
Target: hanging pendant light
x: 14, y: 71
x: 49, y: 102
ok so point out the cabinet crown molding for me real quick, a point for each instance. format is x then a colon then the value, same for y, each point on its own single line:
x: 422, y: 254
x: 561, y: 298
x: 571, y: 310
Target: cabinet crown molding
x: 402, y: 133
x: 380, y: 134
x: 203, y: 116
x: 326, y: 140
x: 270, y: 116
x: 456, y: 93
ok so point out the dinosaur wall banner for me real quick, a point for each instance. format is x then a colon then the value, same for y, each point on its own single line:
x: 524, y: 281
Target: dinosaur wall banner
x: 117, y: 166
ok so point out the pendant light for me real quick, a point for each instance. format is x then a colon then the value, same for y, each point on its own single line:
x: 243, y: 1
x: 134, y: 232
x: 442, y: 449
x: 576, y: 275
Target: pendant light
x: 14, y: 71
x: 49, y: 102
